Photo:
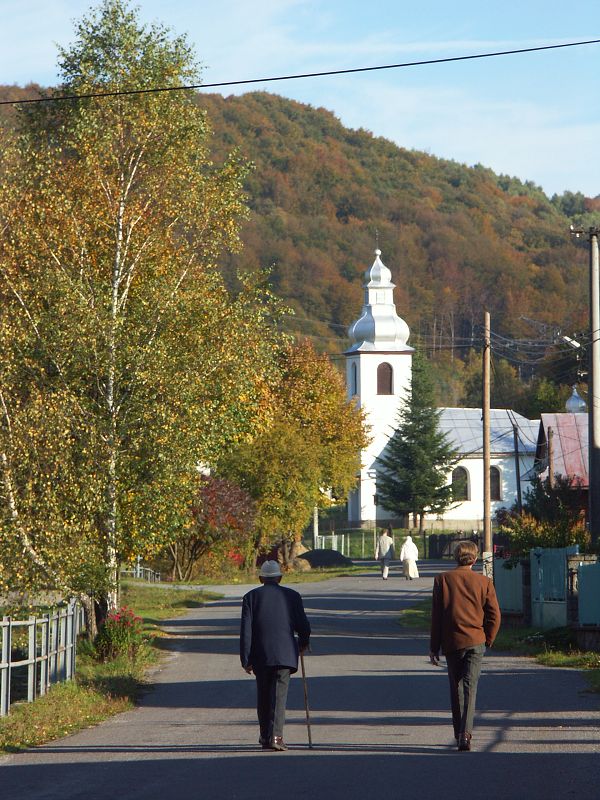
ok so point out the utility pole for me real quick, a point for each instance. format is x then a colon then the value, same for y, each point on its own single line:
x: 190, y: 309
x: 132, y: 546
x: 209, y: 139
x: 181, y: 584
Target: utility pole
x: 551, y: 458
x: 594, y: 384
x: 517, y: 469
x: 487, y: 516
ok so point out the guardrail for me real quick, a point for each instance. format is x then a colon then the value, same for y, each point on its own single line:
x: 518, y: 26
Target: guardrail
x: 51, y: 646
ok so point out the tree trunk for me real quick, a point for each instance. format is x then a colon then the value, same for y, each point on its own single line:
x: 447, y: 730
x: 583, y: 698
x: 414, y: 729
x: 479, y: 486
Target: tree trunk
x: 90, y: 617
x: 111, y: 489
x: 172, y: 549
x: 287, y: 552
x: 101, y: 610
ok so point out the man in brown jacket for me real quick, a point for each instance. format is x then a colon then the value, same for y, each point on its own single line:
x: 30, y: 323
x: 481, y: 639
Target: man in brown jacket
x: 465, y: 619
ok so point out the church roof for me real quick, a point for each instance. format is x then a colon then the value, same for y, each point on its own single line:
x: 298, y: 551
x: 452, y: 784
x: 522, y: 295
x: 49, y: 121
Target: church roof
x: 464, y: 430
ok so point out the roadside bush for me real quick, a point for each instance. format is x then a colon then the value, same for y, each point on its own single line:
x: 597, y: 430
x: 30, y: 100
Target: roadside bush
x: 525, y: 532
x: 121, y: 635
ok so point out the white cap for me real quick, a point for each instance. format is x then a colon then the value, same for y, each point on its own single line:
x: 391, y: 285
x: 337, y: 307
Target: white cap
x: 270, y: 569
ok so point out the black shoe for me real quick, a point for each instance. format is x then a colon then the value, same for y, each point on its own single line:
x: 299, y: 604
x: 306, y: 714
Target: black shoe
x: 264, y: 742
x: 277, y: 743
x: 464, y: 741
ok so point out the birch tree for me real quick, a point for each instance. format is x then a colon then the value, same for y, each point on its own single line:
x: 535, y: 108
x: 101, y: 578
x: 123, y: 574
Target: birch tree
x: 126, y: 362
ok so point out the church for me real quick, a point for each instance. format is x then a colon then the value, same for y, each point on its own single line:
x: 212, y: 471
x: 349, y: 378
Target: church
x: 378, y: 376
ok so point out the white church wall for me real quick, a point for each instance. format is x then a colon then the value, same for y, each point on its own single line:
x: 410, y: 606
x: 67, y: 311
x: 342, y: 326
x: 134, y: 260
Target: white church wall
x: 469, y: 513
x: 381, y: 412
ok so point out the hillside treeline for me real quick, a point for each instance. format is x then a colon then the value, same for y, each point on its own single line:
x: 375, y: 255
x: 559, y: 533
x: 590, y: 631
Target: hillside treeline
x: 456, y: 238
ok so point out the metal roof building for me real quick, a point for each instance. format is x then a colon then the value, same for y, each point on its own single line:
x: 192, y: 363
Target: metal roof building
x: 464, y: 430
x: 569, y: 446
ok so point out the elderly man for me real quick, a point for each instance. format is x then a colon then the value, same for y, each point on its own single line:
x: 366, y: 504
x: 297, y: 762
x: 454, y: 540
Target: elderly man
x: 465, y: 619
x: 271, y: 615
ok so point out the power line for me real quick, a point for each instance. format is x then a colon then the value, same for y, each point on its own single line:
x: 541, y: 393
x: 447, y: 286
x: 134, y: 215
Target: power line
x: 321, y: 74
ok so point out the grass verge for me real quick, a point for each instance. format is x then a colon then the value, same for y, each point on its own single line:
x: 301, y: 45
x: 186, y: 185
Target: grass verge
x: 99, y: 690
x: 324, y: 573
x: 553, y: 648
x: 310, y: 576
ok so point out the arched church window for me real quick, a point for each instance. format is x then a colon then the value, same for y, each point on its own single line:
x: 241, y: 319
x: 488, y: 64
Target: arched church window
x: 385, y: 379
x: 354, y: 379
x: 495, y: 488
x: 460, y: 484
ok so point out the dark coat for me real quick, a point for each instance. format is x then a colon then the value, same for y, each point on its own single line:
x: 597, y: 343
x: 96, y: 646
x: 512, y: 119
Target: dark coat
x: 464, y: 611
x: 271, y: 614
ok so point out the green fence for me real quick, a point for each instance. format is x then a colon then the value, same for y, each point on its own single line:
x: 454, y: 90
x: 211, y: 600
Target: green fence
x: 509, y: 586
x: 589, y: 594
x: 359, y: 543
x: 549, y: 586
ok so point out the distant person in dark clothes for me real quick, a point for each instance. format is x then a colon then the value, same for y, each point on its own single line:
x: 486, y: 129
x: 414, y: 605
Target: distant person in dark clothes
x: 465, y: 619
x: 271, y: 615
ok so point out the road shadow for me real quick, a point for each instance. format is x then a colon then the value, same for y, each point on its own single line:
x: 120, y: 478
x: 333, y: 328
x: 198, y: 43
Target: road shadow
x: 339, y: 772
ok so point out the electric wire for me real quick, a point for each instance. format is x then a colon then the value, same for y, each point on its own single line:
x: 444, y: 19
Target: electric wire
x: 321, y: 74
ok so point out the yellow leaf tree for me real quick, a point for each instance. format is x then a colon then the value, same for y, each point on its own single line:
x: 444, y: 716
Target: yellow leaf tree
x: 309, y: 457
x: 125, y: 361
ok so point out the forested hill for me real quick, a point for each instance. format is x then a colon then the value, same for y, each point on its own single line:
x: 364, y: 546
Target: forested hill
x: 456, y: 238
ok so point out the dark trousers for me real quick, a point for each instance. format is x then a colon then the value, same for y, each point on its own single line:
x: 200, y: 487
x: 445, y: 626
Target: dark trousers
x: 464, y: 669
x: 271, y: 696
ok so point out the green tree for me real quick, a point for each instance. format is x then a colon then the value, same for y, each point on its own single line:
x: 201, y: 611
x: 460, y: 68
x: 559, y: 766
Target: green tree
x: 281, y: 470
x: 309, y: 457
x: 418, y: 456
x: 125, y: 362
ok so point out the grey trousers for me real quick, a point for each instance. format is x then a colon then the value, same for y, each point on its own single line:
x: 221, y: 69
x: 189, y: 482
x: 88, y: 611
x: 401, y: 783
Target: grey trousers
x: 272, y: 685
x: 464, y: 669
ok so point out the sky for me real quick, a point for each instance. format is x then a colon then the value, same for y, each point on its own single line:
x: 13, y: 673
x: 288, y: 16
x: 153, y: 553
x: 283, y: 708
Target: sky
x: 535, y: 116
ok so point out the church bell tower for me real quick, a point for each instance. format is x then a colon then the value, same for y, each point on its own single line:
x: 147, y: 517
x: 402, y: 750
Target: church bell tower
x: 378, y: 374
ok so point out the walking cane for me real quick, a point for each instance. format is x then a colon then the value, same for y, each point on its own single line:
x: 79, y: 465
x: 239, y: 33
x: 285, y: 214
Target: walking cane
x: 310, y: 744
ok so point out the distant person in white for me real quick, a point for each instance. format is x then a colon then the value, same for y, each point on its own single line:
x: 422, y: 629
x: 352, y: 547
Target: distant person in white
x: 384, y: 552
x: 408, y: 557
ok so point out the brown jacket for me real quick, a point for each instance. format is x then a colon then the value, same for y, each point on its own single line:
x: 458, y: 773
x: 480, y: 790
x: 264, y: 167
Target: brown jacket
x: 464, y: 611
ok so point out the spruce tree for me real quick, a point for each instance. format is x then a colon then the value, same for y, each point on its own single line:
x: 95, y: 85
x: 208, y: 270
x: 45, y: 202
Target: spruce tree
x: 417, y: 458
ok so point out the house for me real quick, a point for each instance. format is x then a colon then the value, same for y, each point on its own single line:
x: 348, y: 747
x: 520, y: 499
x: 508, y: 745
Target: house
x: 563, y: 446
x: 378, y: 375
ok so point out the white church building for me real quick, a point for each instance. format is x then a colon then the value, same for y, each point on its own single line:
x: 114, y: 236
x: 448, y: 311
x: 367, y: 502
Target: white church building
x: 378, y: 374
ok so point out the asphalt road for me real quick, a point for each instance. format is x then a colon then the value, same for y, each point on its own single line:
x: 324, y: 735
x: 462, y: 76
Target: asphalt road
x: 380, y: 719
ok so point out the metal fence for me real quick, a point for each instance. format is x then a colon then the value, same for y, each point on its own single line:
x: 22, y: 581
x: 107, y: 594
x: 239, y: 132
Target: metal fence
x: 143, y: 573
x: 36, y: 653
x: 333, y: 541
x: 549, y: 588
x: 360, y: 543
x: 509, y: 586
x: 589, y: 594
